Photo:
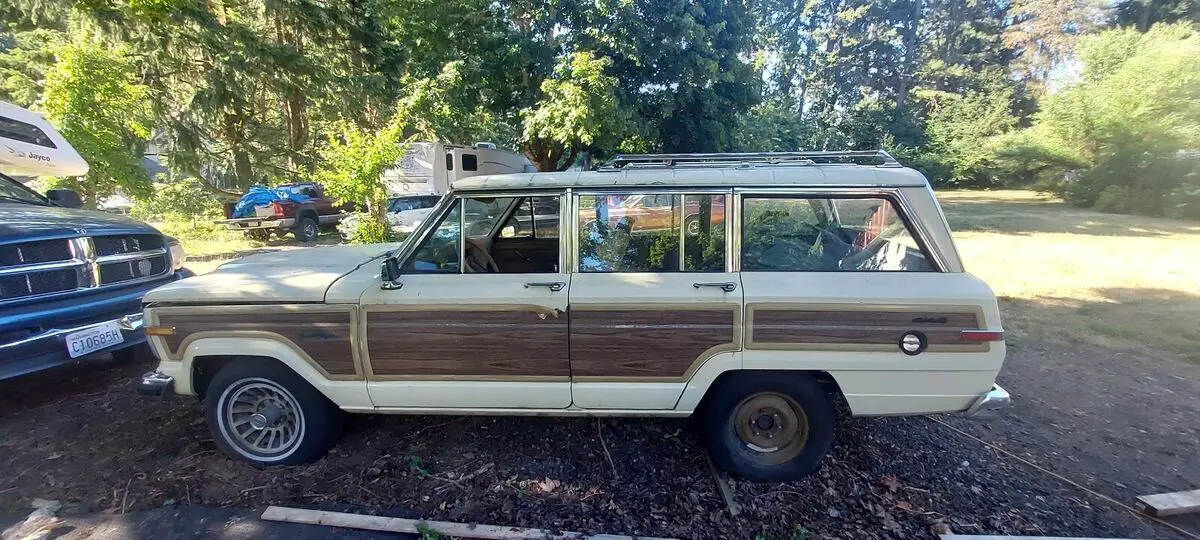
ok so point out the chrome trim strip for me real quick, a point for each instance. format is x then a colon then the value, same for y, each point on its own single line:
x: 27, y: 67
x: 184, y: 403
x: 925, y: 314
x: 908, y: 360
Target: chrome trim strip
x: 82, y: 248
x: 41, y: 267
x: 733, y: 232
x: 683, y: 230
x: 131, y: 256
x: 132, y: 322
x: 566, y: 234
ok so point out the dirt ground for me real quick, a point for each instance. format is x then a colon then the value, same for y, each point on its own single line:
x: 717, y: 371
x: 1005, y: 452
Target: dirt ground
x: 83, y: 437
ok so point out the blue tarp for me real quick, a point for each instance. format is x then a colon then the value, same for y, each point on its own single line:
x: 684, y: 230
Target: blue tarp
x: 262, y: 196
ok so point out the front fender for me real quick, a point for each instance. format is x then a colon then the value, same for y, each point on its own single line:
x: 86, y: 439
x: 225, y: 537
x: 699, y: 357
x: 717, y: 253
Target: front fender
x: 349, y: 395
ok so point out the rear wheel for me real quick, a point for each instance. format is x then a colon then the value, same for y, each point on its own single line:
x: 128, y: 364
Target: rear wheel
x: 307, y: 229
x: 770, y: 427
x: 262, y: 412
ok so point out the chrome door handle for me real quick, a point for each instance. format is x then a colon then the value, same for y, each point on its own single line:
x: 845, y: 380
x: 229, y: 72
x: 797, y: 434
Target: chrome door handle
x: 727, y: 286
x: 552, y: 285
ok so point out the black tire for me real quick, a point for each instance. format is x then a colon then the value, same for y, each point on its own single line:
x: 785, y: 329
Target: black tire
x: 691, y: 225
x: 316, y: 423
x: 307, y: 229
x: 732, y: 453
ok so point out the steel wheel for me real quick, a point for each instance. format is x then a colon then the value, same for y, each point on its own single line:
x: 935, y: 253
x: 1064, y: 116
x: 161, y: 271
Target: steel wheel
x: 773, y: 425
x: 260, y: 419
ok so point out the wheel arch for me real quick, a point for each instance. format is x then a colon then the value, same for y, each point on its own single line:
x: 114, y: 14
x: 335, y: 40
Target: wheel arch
x: 205, y: 357
x: 827, y: 381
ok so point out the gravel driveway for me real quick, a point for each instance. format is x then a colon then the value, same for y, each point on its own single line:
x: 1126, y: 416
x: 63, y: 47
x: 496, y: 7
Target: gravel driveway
x: 82, y: 436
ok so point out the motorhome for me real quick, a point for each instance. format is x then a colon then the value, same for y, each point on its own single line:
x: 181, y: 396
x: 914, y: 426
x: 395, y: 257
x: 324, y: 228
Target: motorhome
x: 428, y: 168
x: 30, y: 146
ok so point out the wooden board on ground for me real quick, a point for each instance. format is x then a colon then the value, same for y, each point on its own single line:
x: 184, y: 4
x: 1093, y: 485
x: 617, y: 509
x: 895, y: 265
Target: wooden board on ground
x: 995, y: 537
x: 416, y: 526
x: 1170, y: 504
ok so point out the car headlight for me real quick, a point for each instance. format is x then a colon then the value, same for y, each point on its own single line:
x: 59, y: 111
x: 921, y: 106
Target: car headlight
x: 178, y: 256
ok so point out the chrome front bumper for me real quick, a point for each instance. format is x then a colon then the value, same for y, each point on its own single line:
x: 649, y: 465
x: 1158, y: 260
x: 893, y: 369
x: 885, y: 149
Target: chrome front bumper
x: 156, y: 384
x: 989, y: 402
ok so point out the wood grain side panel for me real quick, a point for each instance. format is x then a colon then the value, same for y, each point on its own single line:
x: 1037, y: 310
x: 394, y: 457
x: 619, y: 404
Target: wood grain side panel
x: 323, y: 336
x: 467, y: 343
x: 858, y: 327
x: 659, y: 344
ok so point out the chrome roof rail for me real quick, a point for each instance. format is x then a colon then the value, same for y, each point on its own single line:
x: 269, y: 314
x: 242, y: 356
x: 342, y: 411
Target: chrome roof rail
x: 879, y: 158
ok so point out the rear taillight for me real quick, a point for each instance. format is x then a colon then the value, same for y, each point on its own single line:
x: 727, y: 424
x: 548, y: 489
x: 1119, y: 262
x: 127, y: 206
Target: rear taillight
x: 279, y: 209
x: 982, y: 335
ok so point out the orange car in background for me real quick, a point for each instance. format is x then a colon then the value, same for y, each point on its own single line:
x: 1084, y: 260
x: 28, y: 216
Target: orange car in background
x: 655, y: 212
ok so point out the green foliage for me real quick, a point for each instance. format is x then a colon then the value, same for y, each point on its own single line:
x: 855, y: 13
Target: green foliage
x: 1116, y: 139
x: 183, y: 200
x: 200, y: 231
x: 959, y: 129
x: 23, y: 66
x: 578, y: 109
x: 427, y: 532
x: 93, y: 96
x: 352, y: 166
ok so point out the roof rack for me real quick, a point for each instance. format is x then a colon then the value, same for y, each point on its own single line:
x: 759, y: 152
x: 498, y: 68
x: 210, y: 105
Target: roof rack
x: 879, y: 158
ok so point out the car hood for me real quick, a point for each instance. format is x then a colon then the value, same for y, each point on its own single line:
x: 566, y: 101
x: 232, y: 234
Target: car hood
x: 301, y: 275
x: 24, y: 222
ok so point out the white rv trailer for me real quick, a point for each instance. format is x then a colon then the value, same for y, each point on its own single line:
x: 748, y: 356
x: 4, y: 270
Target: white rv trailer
x: 30, y: 146
x: 428, y: 168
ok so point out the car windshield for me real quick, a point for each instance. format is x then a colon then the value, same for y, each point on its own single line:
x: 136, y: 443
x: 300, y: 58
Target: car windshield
x: 12, y: 190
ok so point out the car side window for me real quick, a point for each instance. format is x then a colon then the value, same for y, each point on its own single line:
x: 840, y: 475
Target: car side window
x: 536, y: 217
x: 659, y: 232
x: 792, y: 234
x: 440, y: 252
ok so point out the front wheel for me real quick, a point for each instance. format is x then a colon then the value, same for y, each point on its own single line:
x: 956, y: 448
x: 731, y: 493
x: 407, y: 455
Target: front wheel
x: 769, y: 427
x: 262, y: 412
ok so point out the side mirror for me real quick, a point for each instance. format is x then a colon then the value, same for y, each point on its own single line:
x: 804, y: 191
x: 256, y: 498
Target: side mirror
x: 65, y: 198
x: 389, y: 273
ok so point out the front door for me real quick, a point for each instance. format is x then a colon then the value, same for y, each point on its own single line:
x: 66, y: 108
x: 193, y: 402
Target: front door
x: 652, y: 299
x: 467, y: 329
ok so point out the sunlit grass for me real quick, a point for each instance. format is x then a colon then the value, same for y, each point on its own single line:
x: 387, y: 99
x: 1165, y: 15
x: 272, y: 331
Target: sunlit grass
x: 1072, y: 275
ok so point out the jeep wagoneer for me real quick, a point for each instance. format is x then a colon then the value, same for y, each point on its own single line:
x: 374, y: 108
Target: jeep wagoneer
x: 749, y: 289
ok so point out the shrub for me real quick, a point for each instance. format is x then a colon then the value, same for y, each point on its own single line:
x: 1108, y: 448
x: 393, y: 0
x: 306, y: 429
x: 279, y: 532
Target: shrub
x: 184, y: 200
x: 1117, y: 139
x: 359, y: 228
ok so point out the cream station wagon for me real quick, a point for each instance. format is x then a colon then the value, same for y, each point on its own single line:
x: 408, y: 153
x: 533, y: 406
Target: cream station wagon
x: 751, y: 290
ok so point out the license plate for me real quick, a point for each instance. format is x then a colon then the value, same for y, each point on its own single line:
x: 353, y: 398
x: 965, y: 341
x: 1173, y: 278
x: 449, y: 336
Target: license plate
x: 93, y: 339
x: 253, y: 223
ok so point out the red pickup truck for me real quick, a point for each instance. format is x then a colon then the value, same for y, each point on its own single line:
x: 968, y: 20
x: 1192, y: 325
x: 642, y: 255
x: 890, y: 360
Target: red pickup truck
x: 283, y: 216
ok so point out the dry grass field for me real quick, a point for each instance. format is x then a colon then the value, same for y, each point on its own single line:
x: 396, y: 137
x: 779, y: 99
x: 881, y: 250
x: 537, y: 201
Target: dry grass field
x: 1069, y: 275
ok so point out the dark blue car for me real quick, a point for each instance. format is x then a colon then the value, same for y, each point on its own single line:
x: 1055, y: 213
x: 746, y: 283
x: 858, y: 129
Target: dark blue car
x: 71, y: 281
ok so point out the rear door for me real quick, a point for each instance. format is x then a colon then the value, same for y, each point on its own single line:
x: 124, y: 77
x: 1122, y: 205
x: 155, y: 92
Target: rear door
x: 651, y: 304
